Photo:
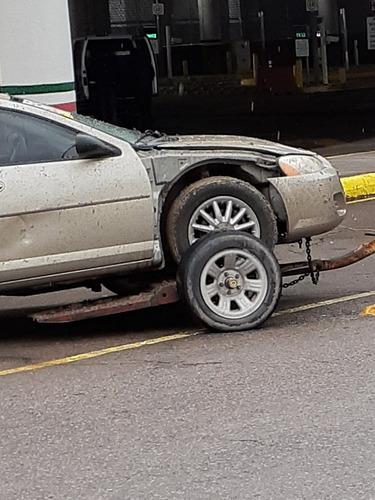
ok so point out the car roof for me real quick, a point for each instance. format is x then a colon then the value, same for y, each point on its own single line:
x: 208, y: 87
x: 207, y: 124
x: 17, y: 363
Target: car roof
x: 32, y: 106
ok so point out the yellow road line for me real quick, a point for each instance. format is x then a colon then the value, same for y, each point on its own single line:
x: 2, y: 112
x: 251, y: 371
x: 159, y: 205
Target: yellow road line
x: 351, y: 154
x: 95, y: 354
x: 323, y: 303
x: 167, y: 338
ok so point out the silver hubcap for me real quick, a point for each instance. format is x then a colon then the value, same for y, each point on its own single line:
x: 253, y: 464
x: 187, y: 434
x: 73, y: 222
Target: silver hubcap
x: 233, y: 283
x: 222, y: 213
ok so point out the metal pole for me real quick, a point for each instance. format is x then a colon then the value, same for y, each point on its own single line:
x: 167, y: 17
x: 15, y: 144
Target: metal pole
x: 356, y: 53
x: 344, y: 33
x: 160, y: 31
x: 308, y: 70
x: 169, y: 50
x: 162, y: 20
x: 314, y: 45
x: 262, y: 29
x: 323, y: 51
x: 263, y: 36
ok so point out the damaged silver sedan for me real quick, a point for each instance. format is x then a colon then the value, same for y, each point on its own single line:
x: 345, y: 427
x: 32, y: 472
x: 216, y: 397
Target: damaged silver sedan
x: 84, y: 202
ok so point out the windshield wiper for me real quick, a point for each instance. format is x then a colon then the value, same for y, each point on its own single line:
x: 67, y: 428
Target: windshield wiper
x: 155, y: 136
x: 150, y: 133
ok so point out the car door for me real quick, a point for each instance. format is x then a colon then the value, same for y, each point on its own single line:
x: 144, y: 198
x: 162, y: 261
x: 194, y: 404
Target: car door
x: 60, y: 213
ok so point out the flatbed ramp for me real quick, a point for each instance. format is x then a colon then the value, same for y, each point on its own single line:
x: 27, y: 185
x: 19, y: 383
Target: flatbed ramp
x: 165, y: 292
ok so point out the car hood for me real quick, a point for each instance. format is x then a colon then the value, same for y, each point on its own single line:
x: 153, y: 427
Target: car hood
x: 225, y: 142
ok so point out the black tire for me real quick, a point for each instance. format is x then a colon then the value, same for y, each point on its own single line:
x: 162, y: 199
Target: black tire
x: 230, y: 280
x: 187, y: 208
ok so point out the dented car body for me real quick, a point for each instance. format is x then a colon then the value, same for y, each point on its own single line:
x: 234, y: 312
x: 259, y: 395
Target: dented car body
x: 81, y: 200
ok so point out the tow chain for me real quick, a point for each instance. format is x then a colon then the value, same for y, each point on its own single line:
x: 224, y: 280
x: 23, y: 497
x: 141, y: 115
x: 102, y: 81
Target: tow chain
x: 314, y: 275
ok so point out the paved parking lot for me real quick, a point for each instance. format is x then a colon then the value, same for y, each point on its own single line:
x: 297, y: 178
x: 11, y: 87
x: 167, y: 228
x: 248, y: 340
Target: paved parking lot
x: 149, y: 405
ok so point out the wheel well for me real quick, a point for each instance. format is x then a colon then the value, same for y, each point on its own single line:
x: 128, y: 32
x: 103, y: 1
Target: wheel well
x: 208, y: 170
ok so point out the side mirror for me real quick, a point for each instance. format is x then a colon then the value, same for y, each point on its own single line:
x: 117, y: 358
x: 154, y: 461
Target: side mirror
x: 88, y: 146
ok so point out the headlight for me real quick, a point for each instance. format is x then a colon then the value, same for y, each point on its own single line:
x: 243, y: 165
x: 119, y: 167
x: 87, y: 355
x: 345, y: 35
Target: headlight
x: 299, y: 165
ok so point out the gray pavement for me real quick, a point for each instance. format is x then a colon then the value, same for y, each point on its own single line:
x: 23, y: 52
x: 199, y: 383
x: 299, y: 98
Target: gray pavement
x: 350, y: 148
x: 286, y: 411
x: 283, y: 412
x: 353, y: 164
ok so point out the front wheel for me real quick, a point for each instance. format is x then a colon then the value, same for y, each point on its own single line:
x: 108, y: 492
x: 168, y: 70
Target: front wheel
x: 218, y: 204
x: 231, y: 281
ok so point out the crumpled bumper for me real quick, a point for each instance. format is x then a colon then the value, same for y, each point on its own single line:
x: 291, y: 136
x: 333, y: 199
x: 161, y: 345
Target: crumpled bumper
x: 314, y: 203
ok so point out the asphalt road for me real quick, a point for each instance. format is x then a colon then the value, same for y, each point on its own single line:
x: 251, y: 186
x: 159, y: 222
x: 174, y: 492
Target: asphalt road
x: 283, y: 412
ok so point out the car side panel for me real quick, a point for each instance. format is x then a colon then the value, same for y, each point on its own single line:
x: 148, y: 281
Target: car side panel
x: 71, y: 214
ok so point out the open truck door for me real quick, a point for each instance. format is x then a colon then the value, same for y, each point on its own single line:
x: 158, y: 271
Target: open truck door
x: 116, y: 78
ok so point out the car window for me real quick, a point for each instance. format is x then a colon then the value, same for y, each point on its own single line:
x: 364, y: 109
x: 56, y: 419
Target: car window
x: 30, y: 139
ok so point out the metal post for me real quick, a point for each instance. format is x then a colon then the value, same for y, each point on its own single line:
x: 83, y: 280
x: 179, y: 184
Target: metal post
x: 263, y: 37
x: 169, y: 50
x: 255, y: 68
x: 344, y: 33
x: 308, y: 70
x: 314, y: 45
x: 229, y: 61
x: 162, y: 20
x: 160, y: 31
x: 262, y: 29
x: 323, y: 51
x: 356, y: 53
x: 185, y: 67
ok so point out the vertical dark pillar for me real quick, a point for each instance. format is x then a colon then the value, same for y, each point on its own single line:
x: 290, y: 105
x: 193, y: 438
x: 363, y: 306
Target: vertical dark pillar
x: 209, y: 20
x: 314, y: 45
x: 89, y: 17
x: 250, y: 23
x: 328, y: 10
x: 224, y: 20
x: 162, y: 22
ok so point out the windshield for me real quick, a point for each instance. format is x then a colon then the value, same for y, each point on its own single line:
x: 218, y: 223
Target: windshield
x: 120, y: 133
x: 125, y: 134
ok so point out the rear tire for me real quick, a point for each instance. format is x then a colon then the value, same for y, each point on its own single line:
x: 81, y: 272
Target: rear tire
x: 231, y: 281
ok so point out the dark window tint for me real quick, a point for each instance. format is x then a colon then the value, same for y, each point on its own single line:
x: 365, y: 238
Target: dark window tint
x: 29, y: 139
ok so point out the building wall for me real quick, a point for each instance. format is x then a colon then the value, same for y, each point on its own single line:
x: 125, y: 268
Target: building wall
x: 191, y: 21
x: 89, y: 17
x: 35, y: 51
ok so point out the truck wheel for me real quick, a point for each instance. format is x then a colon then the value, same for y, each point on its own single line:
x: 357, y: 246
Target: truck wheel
x: 218, y: 204
x: 231, y: 281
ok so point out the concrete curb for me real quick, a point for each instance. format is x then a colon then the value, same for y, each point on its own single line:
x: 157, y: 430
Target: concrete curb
x: 359, y: 186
